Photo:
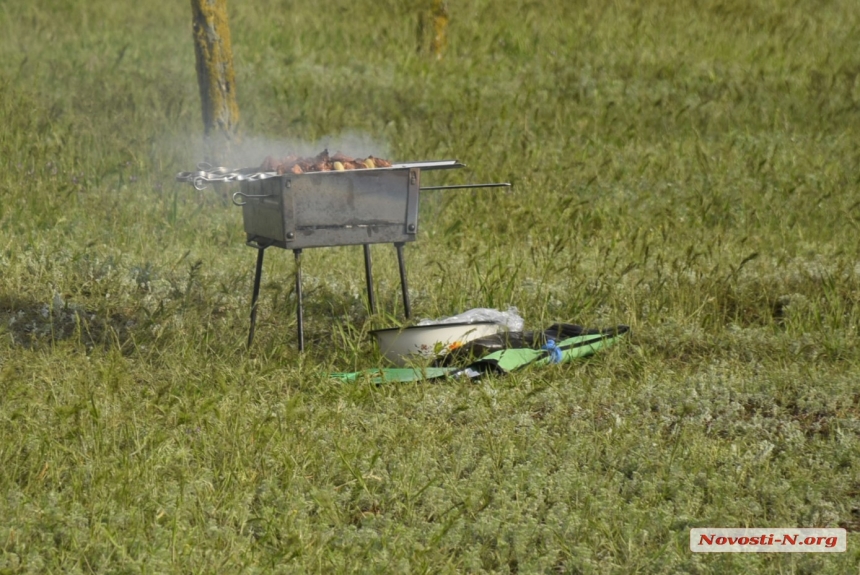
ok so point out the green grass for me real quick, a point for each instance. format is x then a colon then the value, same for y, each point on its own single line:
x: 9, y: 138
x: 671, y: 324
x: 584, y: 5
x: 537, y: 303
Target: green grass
x: 688, y: 168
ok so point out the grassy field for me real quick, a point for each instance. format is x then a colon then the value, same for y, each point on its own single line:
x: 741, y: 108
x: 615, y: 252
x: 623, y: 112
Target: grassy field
x: 690, y: 169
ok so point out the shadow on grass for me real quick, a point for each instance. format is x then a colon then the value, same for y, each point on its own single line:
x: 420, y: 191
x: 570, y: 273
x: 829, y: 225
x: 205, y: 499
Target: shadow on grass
x: 34, y: 324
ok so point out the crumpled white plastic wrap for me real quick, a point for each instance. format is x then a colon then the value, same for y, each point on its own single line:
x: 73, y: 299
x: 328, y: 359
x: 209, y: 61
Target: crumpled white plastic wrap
x: 510, y: 318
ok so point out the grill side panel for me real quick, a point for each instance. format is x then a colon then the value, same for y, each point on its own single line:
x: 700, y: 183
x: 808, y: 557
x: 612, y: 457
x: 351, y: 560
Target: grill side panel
x: 263, y: 210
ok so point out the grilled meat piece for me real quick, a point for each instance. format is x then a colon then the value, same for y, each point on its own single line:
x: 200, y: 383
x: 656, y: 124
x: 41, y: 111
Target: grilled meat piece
x: 339, y: 157
x: 379, y: 162
x: 270, y: 164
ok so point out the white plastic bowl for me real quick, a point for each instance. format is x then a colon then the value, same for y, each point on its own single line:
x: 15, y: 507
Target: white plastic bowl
x: 421, y: 343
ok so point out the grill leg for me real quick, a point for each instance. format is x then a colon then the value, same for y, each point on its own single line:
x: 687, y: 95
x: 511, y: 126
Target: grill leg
x: 258, y: 273
x: 368, y: 272
x: 407, y: 309
x: 299, y: 311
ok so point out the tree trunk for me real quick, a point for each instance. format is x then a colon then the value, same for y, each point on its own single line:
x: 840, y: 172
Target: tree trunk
x: 215, y: 78
x: 433, y: 20
x: 440, y: 27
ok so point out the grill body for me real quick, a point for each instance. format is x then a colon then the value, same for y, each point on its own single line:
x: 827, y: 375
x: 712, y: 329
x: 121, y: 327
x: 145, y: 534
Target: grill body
x: 325, y: 209
x: 320, y: 209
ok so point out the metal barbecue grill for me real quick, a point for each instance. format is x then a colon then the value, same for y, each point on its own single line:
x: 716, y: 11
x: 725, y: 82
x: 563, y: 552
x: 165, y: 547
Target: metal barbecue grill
x: 325, y: 209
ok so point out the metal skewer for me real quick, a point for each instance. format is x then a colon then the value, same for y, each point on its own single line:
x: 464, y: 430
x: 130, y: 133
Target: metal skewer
x: 463, y: 186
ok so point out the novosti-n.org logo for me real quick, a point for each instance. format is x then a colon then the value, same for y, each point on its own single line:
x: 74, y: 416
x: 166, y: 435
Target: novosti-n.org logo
x: 752, y: 540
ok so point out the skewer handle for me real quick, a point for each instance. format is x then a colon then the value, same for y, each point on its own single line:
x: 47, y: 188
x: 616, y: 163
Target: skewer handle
x: 464, y: 186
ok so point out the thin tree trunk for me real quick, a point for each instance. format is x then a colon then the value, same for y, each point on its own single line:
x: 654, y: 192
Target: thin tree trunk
x: 433, y: 18
x: 440, y: 27
x: 215, y: 78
